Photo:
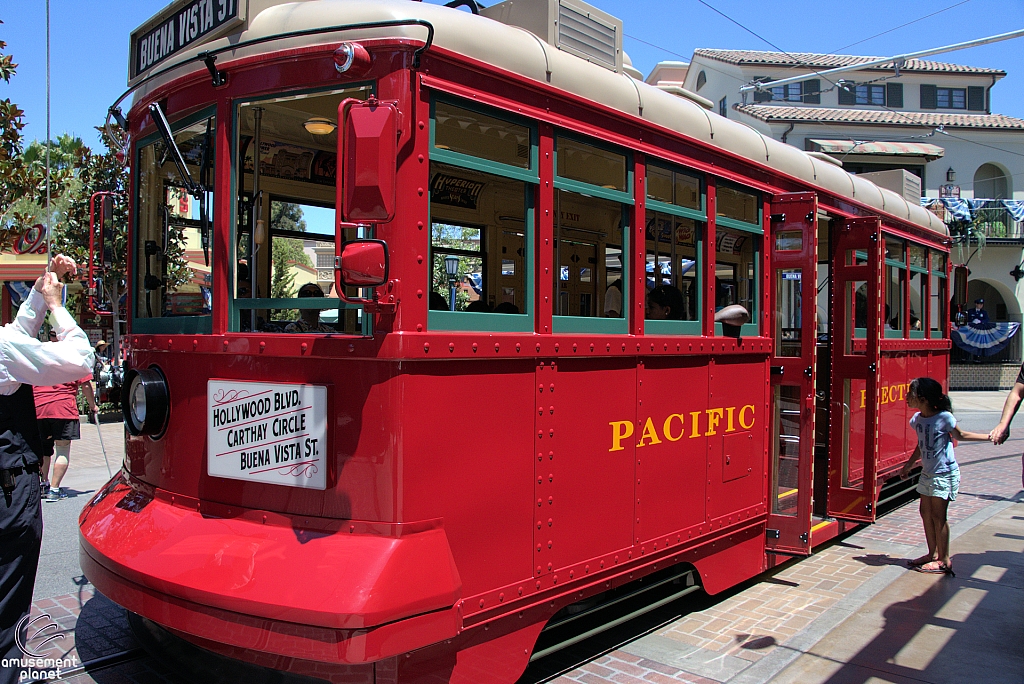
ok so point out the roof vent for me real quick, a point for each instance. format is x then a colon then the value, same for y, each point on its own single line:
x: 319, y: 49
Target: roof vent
x: 569, y: 25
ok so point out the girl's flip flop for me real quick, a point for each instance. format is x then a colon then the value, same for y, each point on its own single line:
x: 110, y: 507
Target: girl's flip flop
x: 918, y: 562
x: 935, y: 568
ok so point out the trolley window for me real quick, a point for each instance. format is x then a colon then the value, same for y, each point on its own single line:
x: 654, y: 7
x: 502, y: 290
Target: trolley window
x: 590, y: 279
x: 480, y: 229
x: 172, y: 274
x: 918, y: 278
x: 895, y: 286
x: 483, y: 176
x: 938, y: 294
x: 738, y: 242
x: 674, y: 232
x: 284, y: 269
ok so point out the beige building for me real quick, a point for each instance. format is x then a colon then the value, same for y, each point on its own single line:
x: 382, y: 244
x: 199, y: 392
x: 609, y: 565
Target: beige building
x: 925, y: 129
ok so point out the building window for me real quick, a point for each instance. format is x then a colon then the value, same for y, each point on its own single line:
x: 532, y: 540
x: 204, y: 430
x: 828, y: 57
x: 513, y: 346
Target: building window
x: 791, y: 92
x: 723, y: 107
x: 951, y: 98
x: 702, y: 78
x: 870, y: 94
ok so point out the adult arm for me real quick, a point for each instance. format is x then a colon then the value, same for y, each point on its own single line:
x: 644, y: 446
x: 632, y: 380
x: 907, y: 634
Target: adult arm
x: 24, y: 359
x: 1001, y: 431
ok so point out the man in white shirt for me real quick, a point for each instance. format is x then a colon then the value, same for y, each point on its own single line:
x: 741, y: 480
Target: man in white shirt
x: 25, y: 361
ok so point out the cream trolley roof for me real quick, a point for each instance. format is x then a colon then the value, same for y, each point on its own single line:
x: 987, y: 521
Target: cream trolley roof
x: 519, y: 51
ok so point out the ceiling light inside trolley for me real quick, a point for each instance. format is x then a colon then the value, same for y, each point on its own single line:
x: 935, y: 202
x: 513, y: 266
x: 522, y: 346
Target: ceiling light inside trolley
x: 351, y: 57
x: 319, y: 125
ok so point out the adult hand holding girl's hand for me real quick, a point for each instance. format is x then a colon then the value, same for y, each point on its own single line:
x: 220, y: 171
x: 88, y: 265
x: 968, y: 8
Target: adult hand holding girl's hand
x: 1000, y: 433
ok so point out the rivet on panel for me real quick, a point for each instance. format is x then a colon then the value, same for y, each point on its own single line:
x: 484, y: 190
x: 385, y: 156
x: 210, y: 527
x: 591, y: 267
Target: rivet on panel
x: 517, y: 346
x: 497, y: 346
x: 351, y: 348
x: 426, y: 346
x: 225, y: 344
x: 195, y: 343
x: 421, y: 125
x: 303, y: 347
x: 419, y: 224
x: 474, y: 346
x: 419, y: 258
x: 263, y: 345
x: 419, y: 327
x: 451, y: 346
x: 419, y: 191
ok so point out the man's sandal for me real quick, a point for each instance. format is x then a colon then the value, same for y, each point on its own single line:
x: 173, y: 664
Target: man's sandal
x: 918, y: 562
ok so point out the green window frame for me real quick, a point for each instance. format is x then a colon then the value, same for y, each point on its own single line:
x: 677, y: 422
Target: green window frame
x: 752, y: 329
x: 479, y: 321
x: 185, y: 325
x: 654, y: 327
x: 937, y: 277
x: 897, y: 268
x: 917, y: 254
x: 236, y: 304
x: 594, y: 324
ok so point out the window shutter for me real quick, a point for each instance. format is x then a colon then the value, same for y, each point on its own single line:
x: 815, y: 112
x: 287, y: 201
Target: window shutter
x: 928, y: 97
x: 762, y: 95
x: 847, y: 97
x: 812, y: 91
x: 976, y: 98
x: 894, y: 95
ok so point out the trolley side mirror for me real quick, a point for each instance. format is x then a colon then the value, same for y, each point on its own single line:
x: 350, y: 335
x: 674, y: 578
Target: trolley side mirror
x: 363, y: 263
x: 367, y: 152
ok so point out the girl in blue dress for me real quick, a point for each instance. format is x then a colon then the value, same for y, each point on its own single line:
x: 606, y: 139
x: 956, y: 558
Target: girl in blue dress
x: 936, y: 429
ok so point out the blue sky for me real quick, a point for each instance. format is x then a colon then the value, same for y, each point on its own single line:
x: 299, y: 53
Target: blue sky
x: 90, y: 42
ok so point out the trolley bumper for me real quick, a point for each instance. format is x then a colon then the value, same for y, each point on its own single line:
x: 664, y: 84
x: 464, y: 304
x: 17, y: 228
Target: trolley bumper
x: 340, y: 597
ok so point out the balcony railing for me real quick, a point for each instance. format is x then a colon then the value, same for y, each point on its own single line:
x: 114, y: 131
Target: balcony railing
x: 995, y: 223
x: 1010, y: 354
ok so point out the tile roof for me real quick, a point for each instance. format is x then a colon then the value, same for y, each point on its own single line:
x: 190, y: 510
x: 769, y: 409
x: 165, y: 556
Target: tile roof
x: 773, y: 113
x: 817, y: 61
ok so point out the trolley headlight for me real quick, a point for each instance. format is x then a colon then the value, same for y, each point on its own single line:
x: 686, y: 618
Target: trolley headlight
x: 146, y: 402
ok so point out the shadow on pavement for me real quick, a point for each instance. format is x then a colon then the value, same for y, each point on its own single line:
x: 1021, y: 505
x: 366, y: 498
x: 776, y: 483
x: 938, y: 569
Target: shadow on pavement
x: 956, y: 627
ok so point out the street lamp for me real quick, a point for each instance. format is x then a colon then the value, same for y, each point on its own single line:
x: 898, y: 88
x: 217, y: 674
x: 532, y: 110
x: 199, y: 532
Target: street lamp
x: 451, y: 267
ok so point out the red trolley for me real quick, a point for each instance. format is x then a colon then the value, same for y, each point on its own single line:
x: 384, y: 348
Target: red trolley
x: 394, y: 401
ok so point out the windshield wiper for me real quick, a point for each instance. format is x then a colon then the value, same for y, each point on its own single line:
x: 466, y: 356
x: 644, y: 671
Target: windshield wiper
x: 164, y: 128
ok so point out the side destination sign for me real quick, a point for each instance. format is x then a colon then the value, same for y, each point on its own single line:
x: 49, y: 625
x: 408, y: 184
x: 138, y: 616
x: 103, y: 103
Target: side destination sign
x: 178, y: 27
x: 267, y: 432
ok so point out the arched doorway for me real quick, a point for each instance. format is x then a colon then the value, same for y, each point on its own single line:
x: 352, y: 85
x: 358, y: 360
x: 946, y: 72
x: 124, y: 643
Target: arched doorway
x: 999, y: 309
x: 991, y: 182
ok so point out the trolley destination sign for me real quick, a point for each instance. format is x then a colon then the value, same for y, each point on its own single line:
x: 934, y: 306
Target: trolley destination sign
x: 180, y: 25
x: 267, y: 432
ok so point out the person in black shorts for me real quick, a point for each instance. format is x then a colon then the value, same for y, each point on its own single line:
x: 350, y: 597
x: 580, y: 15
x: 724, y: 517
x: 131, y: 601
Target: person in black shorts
x: 57, y: 413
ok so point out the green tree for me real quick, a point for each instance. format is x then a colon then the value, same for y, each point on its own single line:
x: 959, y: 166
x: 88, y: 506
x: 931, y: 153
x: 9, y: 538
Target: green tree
x: 286, y: 252
x: 14, y: 176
